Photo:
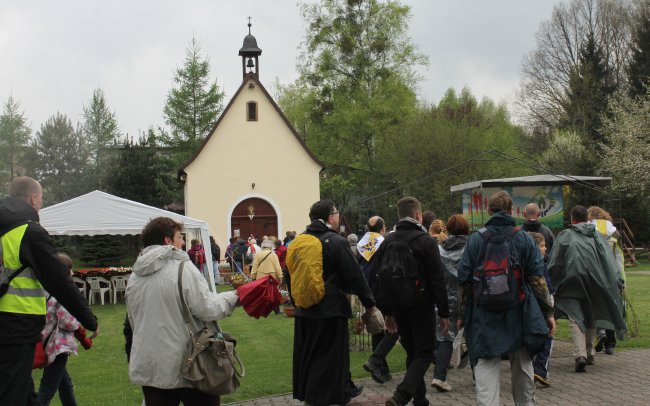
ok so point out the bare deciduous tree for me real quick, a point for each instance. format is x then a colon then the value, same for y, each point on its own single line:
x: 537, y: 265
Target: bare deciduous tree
x: 547, y: 69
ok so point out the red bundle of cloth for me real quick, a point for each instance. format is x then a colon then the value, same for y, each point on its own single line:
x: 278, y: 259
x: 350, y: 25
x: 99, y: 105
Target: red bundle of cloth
x: 260, y: 297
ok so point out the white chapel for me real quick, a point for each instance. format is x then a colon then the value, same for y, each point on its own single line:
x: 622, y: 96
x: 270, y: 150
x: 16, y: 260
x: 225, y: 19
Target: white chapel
x: 253, y: 174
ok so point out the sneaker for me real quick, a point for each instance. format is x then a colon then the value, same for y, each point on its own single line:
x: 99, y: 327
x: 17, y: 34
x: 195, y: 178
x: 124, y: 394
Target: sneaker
x: 375, y: 373
x: 591, y: 360
x: 441, y: 386
x: 609, y: 351
x: 581, y: 363
x: 600, y: 343
x: 541, y: 380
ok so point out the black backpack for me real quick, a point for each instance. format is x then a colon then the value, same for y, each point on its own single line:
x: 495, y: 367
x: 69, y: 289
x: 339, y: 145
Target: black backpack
x: 399, y: 280
x: 497, y: 279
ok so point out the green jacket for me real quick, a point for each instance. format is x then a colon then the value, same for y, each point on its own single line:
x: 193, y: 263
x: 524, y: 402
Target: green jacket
x: 583, y: 271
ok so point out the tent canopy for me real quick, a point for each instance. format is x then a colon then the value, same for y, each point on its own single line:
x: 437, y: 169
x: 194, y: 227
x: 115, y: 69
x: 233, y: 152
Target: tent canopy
x: 535, y: 180
x: 99, y: 213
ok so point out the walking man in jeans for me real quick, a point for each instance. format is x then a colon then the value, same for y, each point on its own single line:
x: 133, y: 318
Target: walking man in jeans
x: 416, y: 324
x: 491, y: 334
x: 382, y: 343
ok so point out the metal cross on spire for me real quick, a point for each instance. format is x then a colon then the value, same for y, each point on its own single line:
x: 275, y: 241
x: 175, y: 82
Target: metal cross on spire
x: 249, y: 25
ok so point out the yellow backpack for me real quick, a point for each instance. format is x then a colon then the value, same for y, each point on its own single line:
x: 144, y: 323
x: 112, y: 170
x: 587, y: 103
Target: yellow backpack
x: 305, y: 265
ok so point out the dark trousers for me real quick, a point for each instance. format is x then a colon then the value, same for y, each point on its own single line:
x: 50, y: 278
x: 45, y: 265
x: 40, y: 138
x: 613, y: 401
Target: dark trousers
x: 541, y: 360
x: 55, y: 377
x: 16, y: 385
x: 610, y: 341
x: 382, y: 344
x: 174, y: 397
x: 416, y: 327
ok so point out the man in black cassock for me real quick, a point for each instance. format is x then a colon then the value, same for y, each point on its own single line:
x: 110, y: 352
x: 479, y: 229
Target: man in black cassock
x: 321, y: 357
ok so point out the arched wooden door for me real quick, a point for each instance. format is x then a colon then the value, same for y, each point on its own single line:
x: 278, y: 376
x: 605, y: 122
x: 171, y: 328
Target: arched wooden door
x: 254, y: 216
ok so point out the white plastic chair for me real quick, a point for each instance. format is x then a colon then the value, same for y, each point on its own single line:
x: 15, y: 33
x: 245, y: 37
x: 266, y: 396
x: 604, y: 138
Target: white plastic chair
x: 98, y: 285
x: 119, y: 285
x: 81, y: 284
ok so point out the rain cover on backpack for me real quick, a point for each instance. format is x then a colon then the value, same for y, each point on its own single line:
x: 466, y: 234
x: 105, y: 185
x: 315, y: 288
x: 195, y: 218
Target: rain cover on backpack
x: 305, y: 265
x: 497, y: 280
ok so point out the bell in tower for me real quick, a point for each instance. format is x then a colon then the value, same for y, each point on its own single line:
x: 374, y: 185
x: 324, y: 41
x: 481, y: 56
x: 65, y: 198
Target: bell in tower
x: 249, y: 53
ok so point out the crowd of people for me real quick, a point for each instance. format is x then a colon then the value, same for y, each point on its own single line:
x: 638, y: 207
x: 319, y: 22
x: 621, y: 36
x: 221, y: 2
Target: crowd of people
x: 427, y: 283
x: 464, y: 292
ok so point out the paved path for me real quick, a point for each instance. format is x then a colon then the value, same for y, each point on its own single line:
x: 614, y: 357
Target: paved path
x: 616, y: 380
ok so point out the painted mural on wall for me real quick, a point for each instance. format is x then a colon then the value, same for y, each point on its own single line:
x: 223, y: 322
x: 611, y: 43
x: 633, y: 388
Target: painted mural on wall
x: 548, y: 198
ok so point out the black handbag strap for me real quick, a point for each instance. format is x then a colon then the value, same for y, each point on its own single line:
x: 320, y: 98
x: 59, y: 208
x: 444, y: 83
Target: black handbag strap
x: 267, y: 255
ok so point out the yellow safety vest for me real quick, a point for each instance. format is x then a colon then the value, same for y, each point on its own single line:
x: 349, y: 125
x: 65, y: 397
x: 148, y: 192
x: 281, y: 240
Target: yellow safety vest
x: 26, y: 294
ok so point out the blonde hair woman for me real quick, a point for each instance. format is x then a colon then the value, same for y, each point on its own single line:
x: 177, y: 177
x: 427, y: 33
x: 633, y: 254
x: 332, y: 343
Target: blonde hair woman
x: 438, y: 230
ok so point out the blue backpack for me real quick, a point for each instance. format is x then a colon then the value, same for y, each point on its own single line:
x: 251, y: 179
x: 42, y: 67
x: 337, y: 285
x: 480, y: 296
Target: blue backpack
x: 497, y: 280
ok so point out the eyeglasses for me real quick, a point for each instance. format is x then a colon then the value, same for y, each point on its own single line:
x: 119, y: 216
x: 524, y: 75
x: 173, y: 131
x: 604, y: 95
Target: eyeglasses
x: 333, y: 213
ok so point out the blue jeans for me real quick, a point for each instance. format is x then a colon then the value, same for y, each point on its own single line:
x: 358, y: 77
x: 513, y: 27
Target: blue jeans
x: 542, y: 359
x: 238, y: 267
x: 55, y: 376
x: 443, y: 357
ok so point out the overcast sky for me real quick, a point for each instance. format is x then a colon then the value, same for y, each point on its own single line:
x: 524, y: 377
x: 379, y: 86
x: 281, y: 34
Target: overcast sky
x: 54, y: 53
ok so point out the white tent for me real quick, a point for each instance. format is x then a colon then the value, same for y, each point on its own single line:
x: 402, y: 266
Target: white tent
x: 99, y: 213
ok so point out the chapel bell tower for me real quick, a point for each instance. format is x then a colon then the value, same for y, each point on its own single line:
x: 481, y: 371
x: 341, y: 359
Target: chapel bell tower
x: 249, y: 51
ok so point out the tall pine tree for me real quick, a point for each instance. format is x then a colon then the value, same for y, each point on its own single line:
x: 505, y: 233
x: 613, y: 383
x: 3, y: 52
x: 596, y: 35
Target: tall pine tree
x: 192, y: 105
x: 590, y: 85
x: 14, y: 136
x: 142, y: 173
x: 100, y: 130
x: 59, y: 159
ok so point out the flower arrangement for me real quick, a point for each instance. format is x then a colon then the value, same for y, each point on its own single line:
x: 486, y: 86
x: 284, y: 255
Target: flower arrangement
x: 120, y: 269
x: 238, y: 279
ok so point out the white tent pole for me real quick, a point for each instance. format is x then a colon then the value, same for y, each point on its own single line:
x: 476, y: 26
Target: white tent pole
x: 205, y: 236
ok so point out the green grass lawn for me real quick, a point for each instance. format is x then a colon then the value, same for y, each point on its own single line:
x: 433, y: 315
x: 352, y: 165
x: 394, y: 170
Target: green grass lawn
x: 101, y: 377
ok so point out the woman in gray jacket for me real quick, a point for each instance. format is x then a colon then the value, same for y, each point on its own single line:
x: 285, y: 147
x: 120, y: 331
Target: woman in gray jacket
x: 451, y: 251
x: 160, y: 335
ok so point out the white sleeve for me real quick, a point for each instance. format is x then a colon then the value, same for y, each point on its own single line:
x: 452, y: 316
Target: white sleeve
x: 202, y: 303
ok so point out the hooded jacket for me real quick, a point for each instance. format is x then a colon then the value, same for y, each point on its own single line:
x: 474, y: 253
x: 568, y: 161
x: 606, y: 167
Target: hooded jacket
x: 451, y: 251
x: 160, y: 335
x: 38, y: 253
x: 493, y: 334
x: 537, y: 227
x: 583, y: 272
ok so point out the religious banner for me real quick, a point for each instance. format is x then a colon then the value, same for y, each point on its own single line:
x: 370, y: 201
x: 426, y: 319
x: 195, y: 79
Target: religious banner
x: 548, y: 198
